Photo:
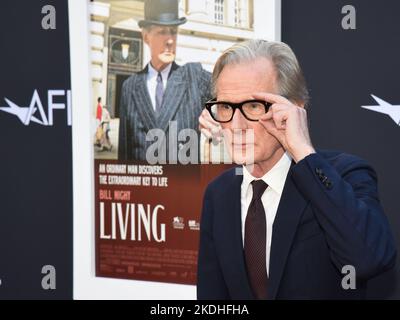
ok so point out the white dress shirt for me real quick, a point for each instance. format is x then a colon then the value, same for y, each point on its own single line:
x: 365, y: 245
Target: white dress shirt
x: 152, y: 81
x: 275, y: 179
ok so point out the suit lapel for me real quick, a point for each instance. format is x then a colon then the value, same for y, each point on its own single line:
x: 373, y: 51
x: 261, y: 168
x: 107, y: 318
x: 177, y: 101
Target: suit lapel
x: 143, y: 102
x: 173, y: 96
x: 174, y: 67
x: 291, y: 207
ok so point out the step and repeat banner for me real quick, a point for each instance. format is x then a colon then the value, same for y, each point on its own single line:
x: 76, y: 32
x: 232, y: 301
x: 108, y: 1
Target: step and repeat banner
x: 349, y: 51
x: 36, y: 151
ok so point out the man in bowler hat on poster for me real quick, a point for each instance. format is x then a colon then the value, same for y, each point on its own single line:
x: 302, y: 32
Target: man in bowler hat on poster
x: 163, y: 92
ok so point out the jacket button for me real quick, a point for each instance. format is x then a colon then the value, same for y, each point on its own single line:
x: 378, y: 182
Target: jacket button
x: 318, y: 171
x: 328, y: 184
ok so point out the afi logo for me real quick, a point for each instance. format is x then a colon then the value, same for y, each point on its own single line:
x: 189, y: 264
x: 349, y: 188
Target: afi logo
x: 35, y: 111
x: 391, y: 110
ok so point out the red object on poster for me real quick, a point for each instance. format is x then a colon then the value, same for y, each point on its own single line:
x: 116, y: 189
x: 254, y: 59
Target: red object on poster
x: 99, y: 112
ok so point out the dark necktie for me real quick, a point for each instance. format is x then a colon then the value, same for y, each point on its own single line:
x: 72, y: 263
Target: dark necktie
x: 159, y: 92
x: 255, y: 242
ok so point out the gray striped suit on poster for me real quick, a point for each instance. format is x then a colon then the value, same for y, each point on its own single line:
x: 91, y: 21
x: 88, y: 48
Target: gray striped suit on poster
x: 188, y: 88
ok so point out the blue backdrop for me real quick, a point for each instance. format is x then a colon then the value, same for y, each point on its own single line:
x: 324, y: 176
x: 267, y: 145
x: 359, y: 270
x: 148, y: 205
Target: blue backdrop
x: 343, y: 67
x: 36, y: 156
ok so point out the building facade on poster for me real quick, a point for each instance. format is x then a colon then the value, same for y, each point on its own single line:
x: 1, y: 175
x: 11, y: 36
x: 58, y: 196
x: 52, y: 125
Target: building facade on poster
x: 213, y: 26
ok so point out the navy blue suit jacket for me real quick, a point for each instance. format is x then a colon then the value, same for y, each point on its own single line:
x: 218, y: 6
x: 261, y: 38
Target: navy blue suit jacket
x: 329, y: 216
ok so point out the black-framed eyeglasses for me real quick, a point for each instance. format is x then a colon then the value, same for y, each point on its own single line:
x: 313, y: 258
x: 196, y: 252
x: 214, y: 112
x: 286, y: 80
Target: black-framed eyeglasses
x: 222, y: 111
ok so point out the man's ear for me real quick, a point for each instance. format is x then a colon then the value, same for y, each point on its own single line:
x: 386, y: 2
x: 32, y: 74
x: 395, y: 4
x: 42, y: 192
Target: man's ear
x: 145, y: 36
x: 300, y: 104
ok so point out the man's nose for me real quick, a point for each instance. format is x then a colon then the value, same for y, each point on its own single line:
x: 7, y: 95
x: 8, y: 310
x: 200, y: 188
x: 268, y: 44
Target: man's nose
x: 238, y: 121
x: 170, y: 40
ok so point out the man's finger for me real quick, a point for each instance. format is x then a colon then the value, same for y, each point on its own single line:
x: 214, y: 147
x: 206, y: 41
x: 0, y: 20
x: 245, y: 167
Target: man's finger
x: 270, y: 97
x: 207, y: 133
x: 209, y: 125
x: 215, y: 137
x: 276, y: 107
x: 206, y: 115
x: 266, y: 116
x: 280, y: 118
x: 273, y: 130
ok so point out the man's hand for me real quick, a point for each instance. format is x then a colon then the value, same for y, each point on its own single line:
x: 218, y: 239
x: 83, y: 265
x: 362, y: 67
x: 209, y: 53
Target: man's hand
x: 287, y: 123
x: 209, y: 127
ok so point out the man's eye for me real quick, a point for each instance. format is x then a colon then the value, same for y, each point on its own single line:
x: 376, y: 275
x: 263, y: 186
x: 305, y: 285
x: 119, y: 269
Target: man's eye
x: 254, y: 105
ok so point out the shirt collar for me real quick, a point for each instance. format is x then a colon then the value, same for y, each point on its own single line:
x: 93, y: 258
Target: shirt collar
x: 275, y: 178
x: 153, y: 73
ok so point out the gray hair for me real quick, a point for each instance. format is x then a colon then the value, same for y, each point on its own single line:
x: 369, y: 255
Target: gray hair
x: 147, y: 27
x: 290, y: 79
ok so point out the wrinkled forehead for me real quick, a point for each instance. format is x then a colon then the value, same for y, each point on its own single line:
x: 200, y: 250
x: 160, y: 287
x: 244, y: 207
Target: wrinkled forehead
x: 238, y: 82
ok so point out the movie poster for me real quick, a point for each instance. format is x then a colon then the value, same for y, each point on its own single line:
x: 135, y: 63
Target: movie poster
x: 152, y: 164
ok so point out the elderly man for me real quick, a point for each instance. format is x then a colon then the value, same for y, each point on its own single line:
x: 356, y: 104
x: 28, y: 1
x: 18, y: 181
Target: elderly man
x: 298, y: 220
x: 162, y: 93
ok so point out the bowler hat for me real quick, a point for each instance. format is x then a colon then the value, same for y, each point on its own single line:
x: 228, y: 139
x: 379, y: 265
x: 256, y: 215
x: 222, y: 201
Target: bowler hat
x: 161, y: 12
